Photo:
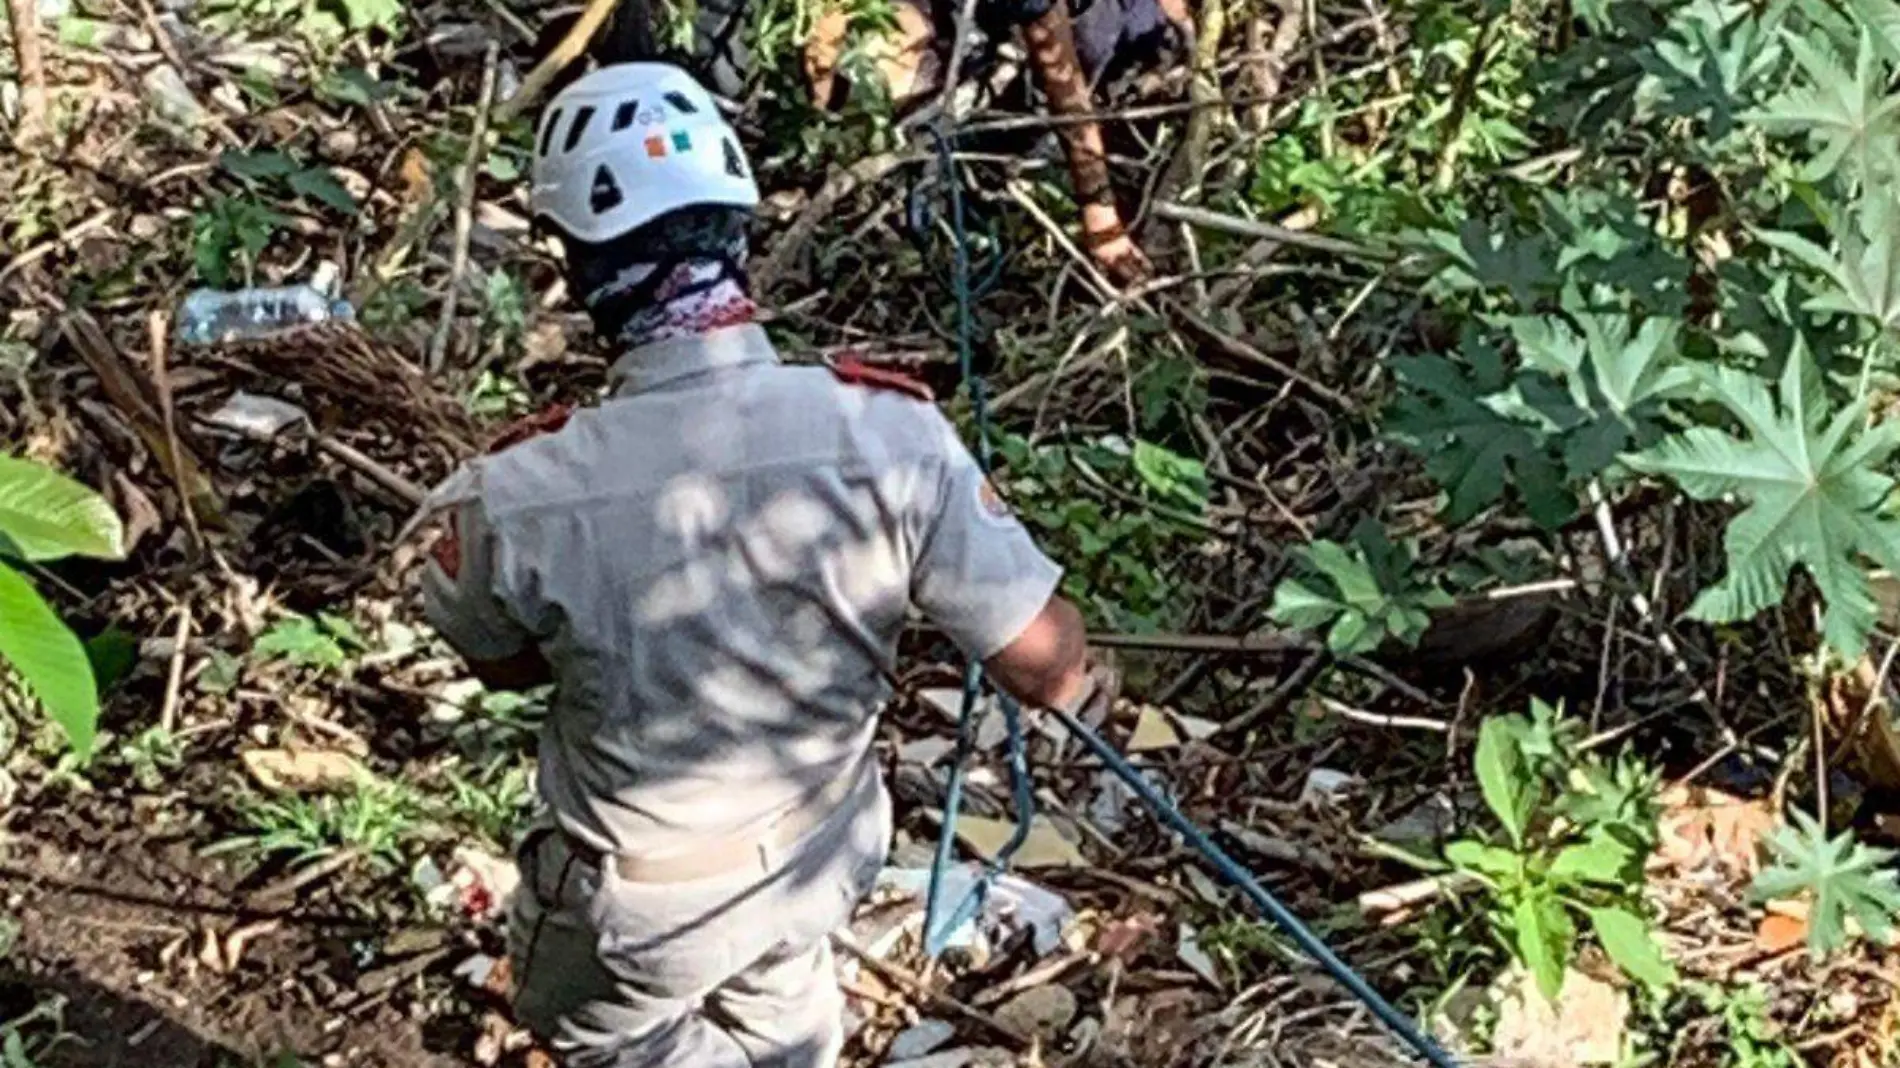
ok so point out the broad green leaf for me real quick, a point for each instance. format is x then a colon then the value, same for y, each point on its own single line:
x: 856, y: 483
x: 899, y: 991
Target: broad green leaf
x: 1498, y: 864
x: 1840, y: 878
x: 1509, y: 783
x: 1814, y: 491
x: 1544, y: 937
x: 1473, y: 450
x: 1166, y: 472
x: 1881, y: 18
x: 44, y: 515
x: 1628, y: 941
x: 258, y: 165
x: 1601, y: 859
x: 319, y: 184
x: 113, y: 653
x: 1866, y: 273
x: 49, y: 658
x: 1375, y: 593
x: 1847, y: 116
x: 1480, y: 258
x: 372, y: 14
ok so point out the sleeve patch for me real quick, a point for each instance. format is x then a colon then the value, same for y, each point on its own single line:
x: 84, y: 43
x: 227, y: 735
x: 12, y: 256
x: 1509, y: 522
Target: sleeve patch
x: 855, y: 372
x: 992, y: 502
x: 546, y: 421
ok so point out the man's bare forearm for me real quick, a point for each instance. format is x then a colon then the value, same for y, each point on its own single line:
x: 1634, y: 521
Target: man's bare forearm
x: 1047, y: 665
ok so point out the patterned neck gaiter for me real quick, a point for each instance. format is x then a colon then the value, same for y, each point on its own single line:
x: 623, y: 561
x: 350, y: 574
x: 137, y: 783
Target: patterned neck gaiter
x: 680, y: 275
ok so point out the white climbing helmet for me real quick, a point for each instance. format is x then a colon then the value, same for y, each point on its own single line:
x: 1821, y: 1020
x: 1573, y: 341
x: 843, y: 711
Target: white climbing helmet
x: 628, y: 143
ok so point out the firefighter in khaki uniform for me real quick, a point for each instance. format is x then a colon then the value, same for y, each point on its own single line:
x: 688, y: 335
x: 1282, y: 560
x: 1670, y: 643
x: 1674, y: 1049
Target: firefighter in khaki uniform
x: 713, y: 566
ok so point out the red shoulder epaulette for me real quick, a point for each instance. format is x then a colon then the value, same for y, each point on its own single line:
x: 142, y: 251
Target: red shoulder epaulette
x: 853, y: 370
x: 546, y: 421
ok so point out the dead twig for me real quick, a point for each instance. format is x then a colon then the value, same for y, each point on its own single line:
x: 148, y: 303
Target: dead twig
x: 1229, y: 224
x: 175, y: 677
x: 158, y: 328
x: 123, y: 389
x: 1235, y: 347
x: 821, y: 208
x: 465, y: 209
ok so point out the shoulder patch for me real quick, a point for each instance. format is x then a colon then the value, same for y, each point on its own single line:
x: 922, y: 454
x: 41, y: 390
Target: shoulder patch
x: 546, y: 421
x: 448, y: 548
x: 992, y: 502
x: 853, y: 371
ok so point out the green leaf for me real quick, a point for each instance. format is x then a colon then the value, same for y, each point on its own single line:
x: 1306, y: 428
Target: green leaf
x: 1814, y: 489
x: 1451, y: 418
x: 1498, y: 864
x: 1168, y: 473
x: 372, y: 14
x: 1841, y: 879
x: 44, y: 515
x: 319, y: 184
x: 1627, y: 939
x: 1601, y: 859
x: 1508, y: 782
x: 258, y: 165
x: 50, y: 659
x: 1376, y: 593
x: 1847, y: 116
x: 113, y: 653
x: 1544, y: 937
x: 1865, y: 275
x: 304, y: 641
x: 352, y: 85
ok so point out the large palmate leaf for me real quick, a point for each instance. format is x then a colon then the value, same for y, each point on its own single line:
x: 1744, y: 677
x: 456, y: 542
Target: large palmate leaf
x: 1847, y: 116
x: 1450, y: 415
x: 49, y: 658
x: 1865, y: 274
x: 1811, y: 480
x: 44, y: 515
x: 1840, y: 878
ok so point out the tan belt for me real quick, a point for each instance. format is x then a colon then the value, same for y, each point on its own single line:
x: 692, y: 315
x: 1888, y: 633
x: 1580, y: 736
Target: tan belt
x: 734, y: 853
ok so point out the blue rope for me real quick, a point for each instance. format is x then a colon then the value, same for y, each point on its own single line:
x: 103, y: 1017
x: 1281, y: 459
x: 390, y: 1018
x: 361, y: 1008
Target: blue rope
x: 938, y: 926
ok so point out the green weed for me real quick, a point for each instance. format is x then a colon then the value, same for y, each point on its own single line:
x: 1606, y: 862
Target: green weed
x: 153, y: 757
x: 375, y: 818
x: 495, y: 801
x: 1576, y: 831
x: 327, y: 643
x: 229, y: 235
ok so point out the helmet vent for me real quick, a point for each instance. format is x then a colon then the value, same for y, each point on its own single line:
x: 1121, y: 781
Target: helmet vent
x: 623, y: 115
x: 680, y: 103
x: 606, y: 194
x: 735, y: 163
x: 547, y: 132
x: 574, y: 132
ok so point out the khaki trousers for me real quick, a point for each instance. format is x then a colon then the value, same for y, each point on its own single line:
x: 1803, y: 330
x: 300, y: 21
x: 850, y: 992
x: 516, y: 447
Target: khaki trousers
x: 729, y: 972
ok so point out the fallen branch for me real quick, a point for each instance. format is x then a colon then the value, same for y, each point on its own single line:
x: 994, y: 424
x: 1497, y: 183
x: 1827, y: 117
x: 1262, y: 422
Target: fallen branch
x: 26, y: 50
x: 124, y: 390
x: 570, y: 48
x: 820, y: 209
x: 1229, y: 224
x: 1235, y: 347
x: 465, y: 211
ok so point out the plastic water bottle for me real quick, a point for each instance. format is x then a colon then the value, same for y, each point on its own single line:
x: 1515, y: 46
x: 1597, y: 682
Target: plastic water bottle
x: 208, y: 315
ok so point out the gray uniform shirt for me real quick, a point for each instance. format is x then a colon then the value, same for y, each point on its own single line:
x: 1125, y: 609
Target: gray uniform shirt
x: 717, y: 562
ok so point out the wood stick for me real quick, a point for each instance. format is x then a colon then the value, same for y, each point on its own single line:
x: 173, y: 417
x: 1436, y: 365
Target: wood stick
x: 465, y: 210
x: 123, y: 389
x: 570, y: 48
x: 1052, y: 56
x: 26, y: 50
x: 157, y: 326
x: 1214, y: 220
